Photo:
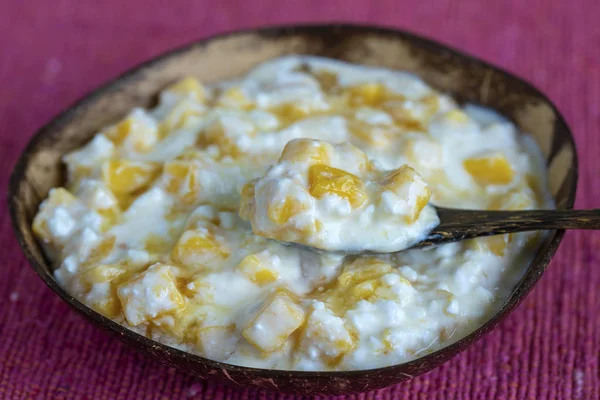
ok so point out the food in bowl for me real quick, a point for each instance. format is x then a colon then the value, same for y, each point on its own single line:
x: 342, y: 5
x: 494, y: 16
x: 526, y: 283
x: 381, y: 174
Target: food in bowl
x: 331, y: 197
x: 147, y: 230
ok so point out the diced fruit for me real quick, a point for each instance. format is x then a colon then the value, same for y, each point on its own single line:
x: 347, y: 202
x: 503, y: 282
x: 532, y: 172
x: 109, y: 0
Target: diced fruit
x: 124, y: 176
x: 101, y: 199
x: 288, y: 113
x: 324, y: 180
x: 109, y: 306
x: 325, y: 336
x: 365, y: 279
x: 361, y: 270
x: 183, y: 324
x: 234, y: 97
x: 55, y: 221
x: 490, y: 170
x: 182, y: 180
x: 226, y: 133
x: 306, y: 150
x: 102, y: 273
x: 413, y: 115
x: 100, y: 251
x: 180, y: 116
x: 370, y: 94
x: 258, y: 269
x: 188, y: 86
x: 281, y: 213
x: 150, y: 295
x: 216, y: 342
x: 410, y: 188
x: 198, y: 247
x: 274, y: 323
x: 137, y: 132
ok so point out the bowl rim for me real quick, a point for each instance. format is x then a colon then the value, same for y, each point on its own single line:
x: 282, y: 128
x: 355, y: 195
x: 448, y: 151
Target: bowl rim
x: 63, y: 118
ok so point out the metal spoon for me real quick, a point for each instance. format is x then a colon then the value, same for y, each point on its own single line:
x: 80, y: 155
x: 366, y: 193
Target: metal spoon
x: 457, y: 224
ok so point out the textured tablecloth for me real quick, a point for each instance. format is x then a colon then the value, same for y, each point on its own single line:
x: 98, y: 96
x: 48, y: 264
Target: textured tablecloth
x: 54, y: 51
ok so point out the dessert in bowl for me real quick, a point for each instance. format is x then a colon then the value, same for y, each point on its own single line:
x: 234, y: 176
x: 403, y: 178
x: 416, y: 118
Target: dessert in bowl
x: 148, y: 227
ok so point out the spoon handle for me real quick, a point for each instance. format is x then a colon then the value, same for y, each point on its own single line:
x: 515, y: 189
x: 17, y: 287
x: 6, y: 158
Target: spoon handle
x: 459, y: 224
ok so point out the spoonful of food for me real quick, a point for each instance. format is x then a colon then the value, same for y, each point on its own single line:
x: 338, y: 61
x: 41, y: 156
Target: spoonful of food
x: 330, y: 197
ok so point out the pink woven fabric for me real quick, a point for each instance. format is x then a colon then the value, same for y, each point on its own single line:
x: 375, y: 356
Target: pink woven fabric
x: 53, y: 52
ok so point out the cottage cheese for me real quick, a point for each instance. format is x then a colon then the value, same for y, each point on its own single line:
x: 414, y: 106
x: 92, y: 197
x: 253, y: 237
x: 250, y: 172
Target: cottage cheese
x: 154, y: 227
x: 331, y: 197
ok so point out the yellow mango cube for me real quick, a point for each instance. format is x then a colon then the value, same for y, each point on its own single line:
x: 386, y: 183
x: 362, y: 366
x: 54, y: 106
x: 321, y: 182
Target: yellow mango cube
x: 258, y: 270
x: 279, y: 317
x: 102, y: 273
x: 408, y: 185
x: 306, y: 150
x: 150, y: 295
x: 197, y: 247
x: 280, y: 213
x: 360, y: 280
x: 218, y: 134
x: 234, y: 97
x: 101, y: 199
x: 216, y: 342
x: 181, y: 116
x: 137, y: 132
x: 56, y: 219
x: 190, y: 87
x: 125, y: 176
x: 99, y: 252
x: 324, y: 180
x: 109, y: 306
x: 361, y: 270
x: 182, y: 180
x: 288, y: 113
x: 325, y: 336
x: 490, y: 170
x: 369, y: 94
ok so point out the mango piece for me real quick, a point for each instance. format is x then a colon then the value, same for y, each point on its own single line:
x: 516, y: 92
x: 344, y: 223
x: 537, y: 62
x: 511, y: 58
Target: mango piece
x: 234, y: 97
x: 281, y: 213
x: 407, y: 184
x: 195, y: 247
x: 306, y: 150
x: 369, y: 94
x: 279, y: 317
x: 182, y: 180
x: 150, y: 295
x: 125, y: 176
x: 490, y: 170
x: 324, y: 180
x: 135, y: 133
x: 258, y: 270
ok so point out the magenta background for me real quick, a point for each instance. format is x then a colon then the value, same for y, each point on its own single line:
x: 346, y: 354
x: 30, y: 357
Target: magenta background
x: 54, y: 51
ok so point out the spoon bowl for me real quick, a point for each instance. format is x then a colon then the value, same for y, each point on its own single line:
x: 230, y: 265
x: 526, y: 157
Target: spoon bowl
x: 458, y: 224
